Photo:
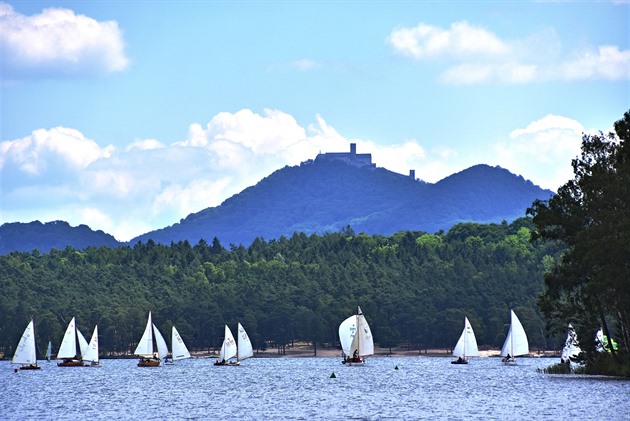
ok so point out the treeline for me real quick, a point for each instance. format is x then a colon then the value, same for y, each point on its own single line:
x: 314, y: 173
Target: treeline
x: 415, y: 288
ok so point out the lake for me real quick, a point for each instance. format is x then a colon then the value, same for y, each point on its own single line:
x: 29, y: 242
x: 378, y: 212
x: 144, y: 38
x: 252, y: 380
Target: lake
x: 302, y: 389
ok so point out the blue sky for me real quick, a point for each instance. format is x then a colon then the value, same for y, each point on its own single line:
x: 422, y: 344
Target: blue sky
x: 128, y: 116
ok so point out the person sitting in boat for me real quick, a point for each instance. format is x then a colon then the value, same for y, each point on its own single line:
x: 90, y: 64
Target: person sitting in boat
x: 355, y: 356
x: 507, y: 358
x: 460, y: 360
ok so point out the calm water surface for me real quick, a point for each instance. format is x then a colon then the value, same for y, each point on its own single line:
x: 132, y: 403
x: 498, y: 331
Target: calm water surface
x: 301, y: 389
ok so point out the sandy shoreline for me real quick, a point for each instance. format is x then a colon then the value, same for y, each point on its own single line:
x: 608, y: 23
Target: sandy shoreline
x: 306, y: 351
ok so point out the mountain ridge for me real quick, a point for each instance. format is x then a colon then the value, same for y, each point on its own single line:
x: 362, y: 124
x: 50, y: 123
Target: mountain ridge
x: 318, y: 196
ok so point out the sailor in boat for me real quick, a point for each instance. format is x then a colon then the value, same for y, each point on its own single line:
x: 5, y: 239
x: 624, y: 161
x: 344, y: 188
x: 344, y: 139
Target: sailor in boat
x: 507, y: 359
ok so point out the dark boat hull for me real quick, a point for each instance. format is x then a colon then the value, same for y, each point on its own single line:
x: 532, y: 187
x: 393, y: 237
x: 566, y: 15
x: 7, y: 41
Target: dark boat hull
x: 30, y: 367
x: 70, y: 363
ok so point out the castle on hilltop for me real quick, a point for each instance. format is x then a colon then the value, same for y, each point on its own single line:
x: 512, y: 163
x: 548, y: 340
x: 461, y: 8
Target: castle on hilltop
x: 351, y: 158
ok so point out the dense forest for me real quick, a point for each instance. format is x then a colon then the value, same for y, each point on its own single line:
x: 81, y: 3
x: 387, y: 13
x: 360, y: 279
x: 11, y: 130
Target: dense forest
x: 414, y: 288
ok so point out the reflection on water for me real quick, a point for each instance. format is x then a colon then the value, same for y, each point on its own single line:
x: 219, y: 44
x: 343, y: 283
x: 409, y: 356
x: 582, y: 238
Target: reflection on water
x: 301, y: 388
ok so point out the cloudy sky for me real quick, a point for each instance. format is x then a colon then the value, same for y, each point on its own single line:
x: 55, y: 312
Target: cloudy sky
x: 128, y: 116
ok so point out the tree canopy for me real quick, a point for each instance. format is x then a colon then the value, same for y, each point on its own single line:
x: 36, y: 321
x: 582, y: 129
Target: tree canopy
x: 414, y: 287
x: 590, y: 215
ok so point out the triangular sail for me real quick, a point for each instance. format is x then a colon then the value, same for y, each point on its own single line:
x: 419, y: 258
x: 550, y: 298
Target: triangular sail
x: 91, y: 354
x: 228, y: 349
x: 25, y: 352
x: 68, y: 347
x: 161, y: 343
x: 245, y: 349
x: 347, y: 331
x: 179, y: 347
x: 365, y: 342
x: 145, y: 346
x: 83, y: 344
x: 571, y: 346
x: 467, y: 344
x: 49, y: 351
x: 516, y: 341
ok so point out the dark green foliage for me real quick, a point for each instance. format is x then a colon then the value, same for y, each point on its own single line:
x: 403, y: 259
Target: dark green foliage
x: 590, y: 215
x: 415, y: 288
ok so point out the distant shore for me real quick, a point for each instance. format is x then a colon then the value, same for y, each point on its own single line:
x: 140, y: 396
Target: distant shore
x: 306, y: 351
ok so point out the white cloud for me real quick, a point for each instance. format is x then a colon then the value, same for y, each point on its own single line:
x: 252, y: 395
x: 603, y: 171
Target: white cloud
x: 61, y: 174
x: 460, y: 40
x: 62, y: 146
x: 306, y: 64
x: 473, y: 55
x: 543, y: 150
x: 58, y: 42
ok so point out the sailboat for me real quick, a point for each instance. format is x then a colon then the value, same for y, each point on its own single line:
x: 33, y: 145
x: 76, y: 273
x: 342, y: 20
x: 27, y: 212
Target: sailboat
x: 230, y: 349
x: 178, y: 347
x: 49, y: 351
x: 516, y: 341
x: 91, y: 355
x: 149, y: 356
x: 68, y: 352
x: 602, y: 344
x: 466, y: 345
x: 356, y: 339
x: 25, y: 353
x: 571, y: 346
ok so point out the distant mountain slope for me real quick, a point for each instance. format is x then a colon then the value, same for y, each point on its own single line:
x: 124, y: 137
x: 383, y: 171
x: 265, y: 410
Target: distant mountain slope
x: 17, y: 236
x: 321, y: 196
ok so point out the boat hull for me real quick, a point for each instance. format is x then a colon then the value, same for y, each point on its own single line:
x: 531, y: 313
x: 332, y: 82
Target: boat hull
x: 70, y: 363
x: 459, y: 362
x: 30, y: 367
x: 148, y: 363
x: 353, y: 361
x: 227, y: 363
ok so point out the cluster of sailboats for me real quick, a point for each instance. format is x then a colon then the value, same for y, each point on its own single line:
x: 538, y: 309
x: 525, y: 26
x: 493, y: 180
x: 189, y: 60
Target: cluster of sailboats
x: 355, y: 337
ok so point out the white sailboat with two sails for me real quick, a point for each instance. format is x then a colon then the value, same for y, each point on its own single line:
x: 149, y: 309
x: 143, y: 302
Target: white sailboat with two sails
x: 356, y: 339
x: 26, y: 353
x: 73, y: 346
x: 516, y: 341
x: 150, y: 353
x: 466, y: 345
x: 230, y: 349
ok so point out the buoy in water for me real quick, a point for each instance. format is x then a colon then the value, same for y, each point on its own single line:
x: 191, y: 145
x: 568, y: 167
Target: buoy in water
x: 332, y: 376
x: 396, y: 368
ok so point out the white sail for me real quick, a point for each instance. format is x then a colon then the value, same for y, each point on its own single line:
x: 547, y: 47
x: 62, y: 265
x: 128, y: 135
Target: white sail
x: 516, y: 341
x: 25, y: 352
x: 347, y: 330
x: 161, y: 343
x: 355, y: 336
x: 467, y: 343
x: 365, y: 340
x: 228, y: 349
x: 49, y: 351
x: 571, y: 346
x: 91, y: 354
x: 68, y: 348
x: 145, y: 346
x: 179, y: 347
x: 83, y: 344
x: 245, y: 349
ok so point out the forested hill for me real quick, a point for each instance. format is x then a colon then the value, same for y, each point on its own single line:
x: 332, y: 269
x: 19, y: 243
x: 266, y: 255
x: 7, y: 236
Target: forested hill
x: 17, y: 236
x: 326, y: 196
x: 414, y: 288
